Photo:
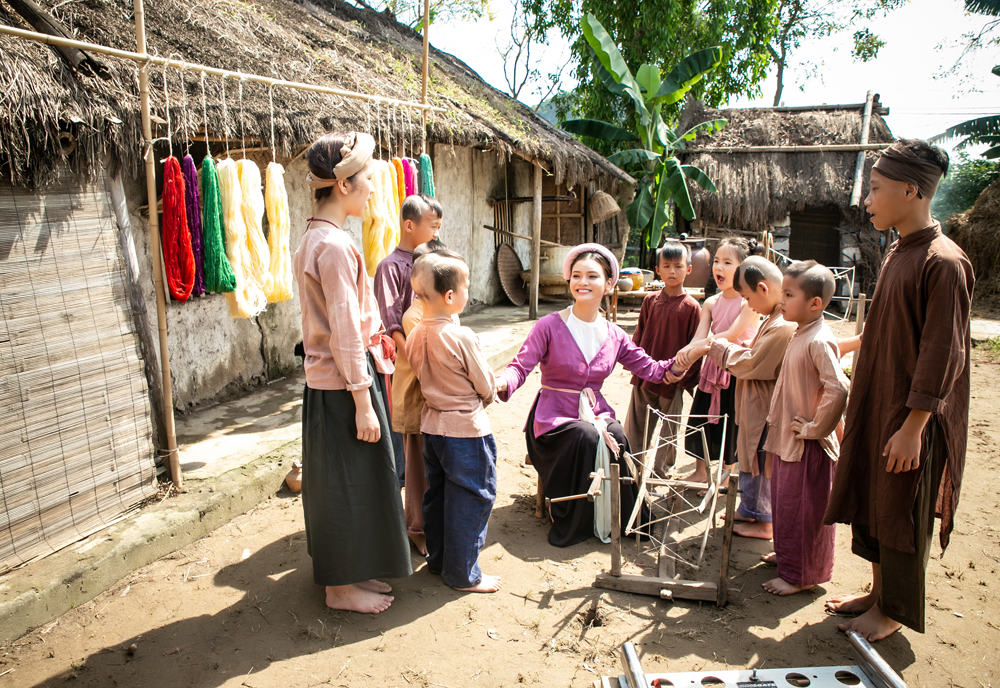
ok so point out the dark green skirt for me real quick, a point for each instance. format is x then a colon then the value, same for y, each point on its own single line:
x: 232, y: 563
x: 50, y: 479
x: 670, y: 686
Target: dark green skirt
x: 355, y: 529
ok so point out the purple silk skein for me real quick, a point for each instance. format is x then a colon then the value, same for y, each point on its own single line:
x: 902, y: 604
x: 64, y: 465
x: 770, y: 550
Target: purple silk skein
x: 192, y: 201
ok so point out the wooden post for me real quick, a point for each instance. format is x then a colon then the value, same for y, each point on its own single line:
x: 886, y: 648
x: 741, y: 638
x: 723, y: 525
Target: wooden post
x: 423, y: 86
x: 859, y: 166
x: 859, y: 321
x: 536, y: 245
x: 154, y: 248
x: 616, y: 520
x: 722, y: 589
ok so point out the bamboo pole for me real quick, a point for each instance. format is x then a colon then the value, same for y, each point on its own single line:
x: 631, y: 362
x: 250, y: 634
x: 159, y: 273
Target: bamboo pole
x: 213, y: 71
x: 154, y: 248
x: 536, y: 246
x: 859, y: 166
x: 819, y: 148
x: 425, y: 72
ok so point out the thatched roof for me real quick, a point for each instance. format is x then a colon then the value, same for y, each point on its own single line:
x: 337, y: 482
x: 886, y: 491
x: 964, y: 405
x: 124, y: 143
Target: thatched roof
x: 759, y: 189
x: 322, y: 42
x: 977, y: 231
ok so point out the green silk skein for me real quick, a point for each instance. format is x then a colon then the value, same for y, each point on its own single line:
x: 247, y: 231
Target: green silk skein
x: 219, y: 275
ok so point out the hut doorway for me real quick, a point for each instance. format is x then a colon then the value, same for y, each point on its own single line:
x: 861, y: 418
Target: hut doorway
x: 815, y: 235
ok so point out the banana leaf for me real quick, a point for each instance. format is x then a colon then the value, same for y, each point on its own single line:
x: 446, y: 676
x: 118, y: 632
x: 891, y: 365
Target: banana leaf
x: 687, y: 73
x: 640, y: 210
x: 677, y: 184
x: 610, y: 57
x: 633, y: 157
x: 704, y: 181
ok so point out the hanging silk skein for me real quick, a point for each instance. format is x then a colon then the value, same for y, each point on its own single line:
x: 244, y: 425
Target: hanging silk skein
x: 248, y: 299
x: 192, y: 203
x: 391, y: 236
x: 253, y: 215
x: 219, y: 277
x: 410, y: 174
x: 397, y: 166
x: 279, y: 230
x: 426, y: 175
x: 177, y: 256
x: 375, y: 220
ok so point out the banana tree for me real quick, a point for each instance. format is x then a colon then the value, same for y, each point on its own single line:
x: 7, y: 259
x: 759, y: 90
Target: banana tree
x: 662, y: 179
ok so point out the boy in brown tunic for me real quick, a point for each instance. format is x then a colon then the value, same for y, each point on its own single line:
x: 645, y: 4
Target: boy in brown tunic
x: 907, y: 420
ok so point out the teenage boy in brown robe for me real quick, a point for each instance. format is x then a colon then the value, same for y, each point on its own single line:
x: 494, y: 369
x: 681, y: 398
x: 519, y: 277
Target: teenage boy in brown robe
x: 903, y: 452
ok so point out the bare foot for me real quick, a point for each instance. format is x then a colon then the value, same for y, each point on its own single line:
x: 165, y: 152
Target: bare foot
x: 771, y: 559
x: 756, y: 529
x: 419, y: 541
x: 375, y: 586
x: 779, y: 586
x: 851, y: 604
x: 353, y: 598
x: 737, y: 518
x: 486, y: 584
x: 873, y: 625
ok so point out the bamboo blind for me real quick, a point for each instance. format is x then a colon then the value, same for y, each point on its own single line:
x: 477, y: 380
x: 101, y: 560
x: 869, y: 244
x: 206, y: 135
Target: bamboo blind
x: 76, y: 451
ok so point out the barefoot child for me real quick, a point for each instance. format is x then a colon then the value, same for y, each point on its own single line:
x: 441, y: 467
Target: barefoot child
x: 667, y: 321
x: 907, y: 421
x: 725, y: 315
x: 460, y: 456
x: 807, y: 406
x: 408, y: 403
x: 420, y: 222
x: 756, y: 370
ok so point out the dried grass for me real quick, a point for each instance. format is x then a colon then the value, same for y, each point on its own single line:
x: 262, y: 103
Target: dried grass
x: 322, y: 42
x: 977, y: 231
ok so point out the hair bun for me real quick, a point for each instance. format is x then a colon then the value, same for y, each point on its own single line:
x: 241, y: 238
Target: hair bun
x: 752, y: 244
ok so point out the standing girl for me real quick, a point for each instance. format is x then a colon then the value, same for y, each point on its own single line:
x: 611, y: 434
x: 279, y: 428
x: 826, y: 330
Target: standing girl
x: 355, y: 530
x: 576, y: 350
x: 728, y: 316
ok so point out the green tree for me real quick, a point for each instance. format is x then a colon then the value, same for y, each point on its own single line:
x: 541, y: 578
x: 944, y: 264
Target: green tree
x: 660, y: 33
x: 967, y: 177
x: 662, y: 179
x: 801, y: 20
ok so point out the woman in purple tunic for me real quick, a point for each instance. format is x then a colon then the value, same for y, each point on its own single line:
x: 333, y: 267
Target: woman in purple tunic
x: 576, y: 351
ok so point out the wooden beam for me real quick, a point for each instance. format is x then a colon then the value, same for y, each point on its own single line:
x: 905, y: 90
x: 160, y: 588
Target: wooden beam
x: 822, y: 148
x: 616, y: 520
x: 520, y: 236
x: 536, y: 245
x: 648, y: 585
x: 722, y: 590
x: 859, y: 166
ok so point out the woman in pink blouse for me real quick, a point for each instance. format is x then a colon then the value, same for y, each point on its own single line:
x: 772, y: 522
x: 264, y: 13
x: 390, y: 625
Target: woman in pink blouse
x: 355, y: 531
x: 576, y: 350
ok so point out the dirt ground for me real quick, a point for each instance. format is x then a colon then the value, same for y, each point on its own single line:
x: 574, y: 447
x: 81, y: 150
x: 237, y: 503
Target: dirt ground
x: 238, y: 608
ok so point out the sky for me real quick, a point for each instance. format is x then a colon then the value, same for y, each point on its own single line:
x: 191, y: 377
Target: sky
x: 922, y: 42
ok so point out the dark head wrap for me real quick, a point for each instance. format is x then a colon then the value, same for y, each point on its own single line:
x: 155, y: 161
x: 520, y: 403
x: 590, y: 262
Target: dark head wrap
x: 900, y: 164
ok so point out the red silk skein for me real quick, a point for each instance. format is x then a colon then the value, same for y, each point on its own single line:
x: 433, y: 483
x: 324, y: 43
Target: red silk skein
x: 178, y: 258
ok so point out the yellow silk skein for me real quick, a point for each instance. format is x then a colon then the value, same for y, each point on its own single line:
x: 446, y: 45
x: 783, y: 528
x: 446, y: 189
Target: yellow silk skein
x: 248, y: 299
x: 253, y: 214
x: 279, y: 230
x: 374, y: 221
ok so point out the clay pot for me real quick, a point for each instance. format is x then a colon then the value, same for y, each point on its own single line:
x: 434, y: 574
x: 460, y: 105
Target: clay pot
x: 625, y: 284
x: 294, y: 478
x: 701, y: 267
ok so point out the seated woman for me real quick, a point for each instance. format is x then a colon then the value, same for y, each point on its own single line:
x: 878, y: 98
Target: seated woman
x: 577, y: 350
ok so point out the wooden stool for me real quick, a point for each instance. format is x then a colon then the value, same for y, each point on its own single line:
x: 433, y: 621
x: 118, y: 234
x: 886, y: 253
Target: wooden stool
x: 539, y: 497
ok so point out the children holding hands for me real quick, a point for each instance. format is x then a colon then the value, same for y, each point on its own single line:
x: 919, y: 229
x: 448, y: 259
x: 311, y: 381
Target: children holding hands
x: 667, y: 321
x: 459, y: 452
x: 756, y: 368
x: 806, y: 409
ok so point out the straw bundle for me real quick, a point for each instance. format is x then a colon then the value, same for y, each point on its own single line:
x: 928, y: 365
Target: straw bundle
x: 278, y: 234
x: 248, y: 299
x: 602, y: 207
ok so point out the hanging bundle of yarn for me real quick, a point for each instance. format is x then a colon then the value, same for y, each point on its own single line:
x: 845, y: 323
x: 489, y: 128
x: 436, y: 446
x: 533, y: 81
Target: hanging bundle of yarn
x: 374, y: 220
x: 192, y: 203
x: 397, y: 166
x: 410, y: 174
x: 247, y: 299
x: 177, y: 256
x: 279, y: 230
x: 253, y: 215
x: 391, y: 236
x: 426, y: 175
x: 219, y: 277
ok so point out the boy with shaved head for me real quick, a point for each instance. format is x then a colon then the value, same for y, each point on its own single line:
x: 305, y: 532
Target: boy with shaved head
x: 756, y: 369
x: 807, y: 406
x: 908, y: 419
